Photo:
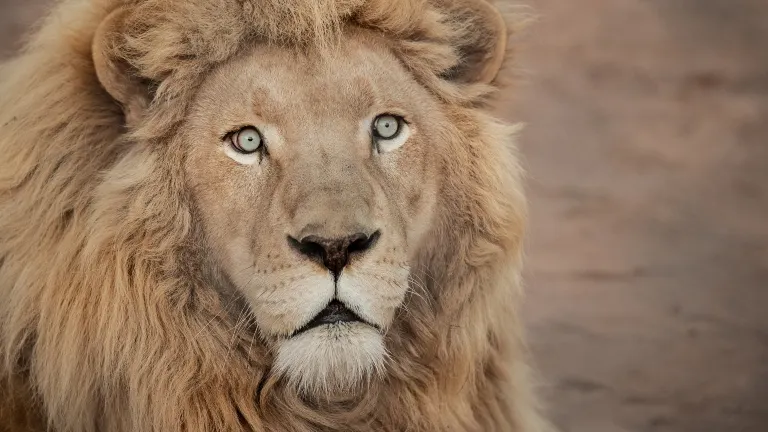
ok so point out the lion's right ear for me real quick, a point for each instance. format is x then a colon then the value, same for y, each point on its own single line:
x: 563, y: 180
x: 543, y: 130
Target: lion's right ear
x: 482, y: 45
x: 115, y: 74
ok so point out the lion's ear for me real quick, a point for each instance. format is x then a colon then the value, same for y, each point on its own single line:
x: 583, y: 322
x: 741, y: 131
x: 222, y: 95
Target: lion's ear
x: 483, y: 42
x: 115, y: 74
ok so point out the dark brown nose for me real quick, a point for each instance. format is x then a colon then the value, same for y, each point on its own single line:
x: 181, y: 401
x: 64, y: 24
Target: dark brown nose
x: 333, y: 253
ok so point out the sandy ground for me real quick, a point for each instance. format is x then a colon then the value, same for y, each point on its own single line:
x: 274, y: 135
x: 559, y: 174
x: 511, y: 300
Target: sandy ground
x: 647, y: 145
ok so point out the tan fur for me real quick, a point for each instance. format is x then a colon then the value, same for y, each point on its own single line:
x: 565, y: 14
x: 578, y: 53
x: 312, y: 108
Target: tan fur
x: 122, y: 220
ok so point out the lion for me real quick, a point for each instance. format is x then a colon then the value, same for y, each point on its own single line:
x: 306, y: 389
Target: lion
x: 262, y: 215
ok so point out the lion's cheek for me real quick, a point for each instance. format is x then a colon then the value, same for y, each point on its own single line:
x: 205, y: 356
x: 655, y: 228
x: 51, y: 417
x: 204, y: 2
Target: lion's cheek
x: 283, y: 305
x: 376, y: 293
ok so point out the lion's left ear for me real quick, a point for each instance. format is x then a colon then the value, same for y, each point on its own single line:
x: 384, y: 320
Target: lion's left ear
x: 115, y: 74
x: 483, y: 43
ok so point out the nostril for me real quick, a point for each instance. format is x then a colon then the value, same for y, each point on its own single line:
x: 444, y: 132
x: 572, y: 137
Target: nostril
x: 361, y: 242
x: 308, y: 247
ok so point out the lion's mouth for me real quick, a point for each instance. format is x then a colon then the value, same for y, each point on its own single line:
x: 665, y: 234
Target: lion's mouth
x: 336, y: 312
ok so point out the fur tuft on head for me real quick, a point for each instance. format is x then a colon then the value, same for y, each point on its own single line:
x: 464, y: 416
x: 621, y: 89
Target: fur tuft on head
x: 171, y: 44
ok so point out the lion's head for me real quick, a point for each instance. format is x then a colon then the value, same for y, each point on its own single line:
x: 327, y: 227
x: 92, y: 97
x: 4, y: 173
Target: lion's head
x: 315, y: 177
x: 275, y: 200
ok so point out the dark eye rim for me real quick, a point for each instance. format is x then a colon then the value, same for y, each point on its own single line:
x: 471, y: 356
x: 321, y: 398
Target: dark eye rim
x: 400, y: 122
x: 229, y: 138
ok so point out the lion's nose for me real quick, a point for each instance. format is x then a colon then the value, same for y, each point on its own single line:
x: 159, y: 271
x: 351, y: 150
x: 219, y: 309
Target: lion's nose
x: 333, y: 253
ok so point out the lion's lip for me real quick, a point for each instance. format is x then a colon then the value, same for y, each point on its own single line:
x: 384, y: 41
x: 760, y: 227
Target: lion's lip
x: 335, y: 312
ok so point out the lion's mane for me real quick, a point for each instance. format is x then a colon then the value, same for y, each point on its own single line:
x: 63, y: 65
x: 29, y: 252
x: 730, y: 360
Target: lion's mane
x: 105, y: 324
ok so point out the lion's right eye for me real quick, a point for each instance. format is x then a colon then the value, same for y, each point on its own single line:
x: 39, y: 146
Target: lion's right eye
x: 247, y: 140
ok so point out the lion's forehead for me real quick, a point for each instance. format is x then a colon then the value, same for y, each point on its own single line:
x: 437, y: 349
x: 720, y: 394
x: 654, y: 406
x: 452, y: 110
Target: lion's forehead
x: 309, y: 87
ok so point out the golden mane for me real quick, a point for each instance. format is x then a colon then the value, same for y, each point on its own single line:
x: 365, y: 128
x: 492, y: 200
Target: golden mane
x: 105, y: 323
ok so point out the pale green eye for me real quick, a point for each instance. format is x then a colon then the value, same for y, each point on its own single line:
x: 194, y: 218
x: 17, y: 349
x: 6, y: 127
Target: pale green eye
x: 247, y: 140
x: 387, y: 126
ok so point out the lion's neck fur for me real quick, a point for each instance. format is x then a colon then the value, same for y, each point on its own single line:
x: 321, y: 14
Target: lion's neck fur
x: 452, y: 370
x: 99, y: 330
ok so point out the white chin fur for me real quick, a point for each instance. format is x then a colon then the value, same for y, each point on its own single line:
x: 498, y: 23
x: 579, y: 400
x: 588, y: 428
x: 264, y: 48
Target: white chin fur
x: 331, y: 358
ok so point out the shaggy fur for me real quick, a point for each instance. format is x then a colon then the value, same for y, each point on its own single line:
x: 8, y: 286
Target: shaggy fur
x: 108, y: 319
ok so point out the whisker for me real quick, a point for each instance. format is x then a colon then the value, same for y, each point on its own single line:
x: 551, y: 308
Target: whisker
x: 234, y: 331
x: 251, y: 320
x: 217, y: 314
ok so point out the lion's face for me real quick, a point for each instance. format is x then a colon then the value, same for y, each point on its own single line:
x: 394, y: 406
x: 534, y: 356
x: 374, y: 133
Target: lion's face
x: 315, y: 180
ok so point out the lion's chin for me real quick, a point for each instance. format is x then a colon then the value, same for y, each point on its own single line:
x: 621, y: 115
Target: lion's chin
x: 332, y: 358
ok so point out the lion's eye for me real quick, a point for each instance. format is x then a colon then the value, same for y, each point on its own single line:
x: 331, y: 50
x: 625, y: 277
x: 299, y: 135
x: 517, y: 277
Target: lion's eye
x: 247, y: 140
x: 387, y: 126
x: 389, y: 132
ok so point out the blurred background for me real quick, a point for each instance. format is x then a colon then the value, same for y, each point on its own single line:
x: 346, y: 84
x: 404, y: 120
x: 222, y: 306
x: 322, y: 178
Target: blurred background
x: 647, y: 269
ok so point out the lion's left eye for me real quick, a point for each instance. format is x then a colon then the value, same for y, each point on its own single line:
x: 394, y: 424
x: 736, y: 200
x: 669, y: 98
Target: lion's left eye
x: 389, y: 132
x: 387, y: 126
